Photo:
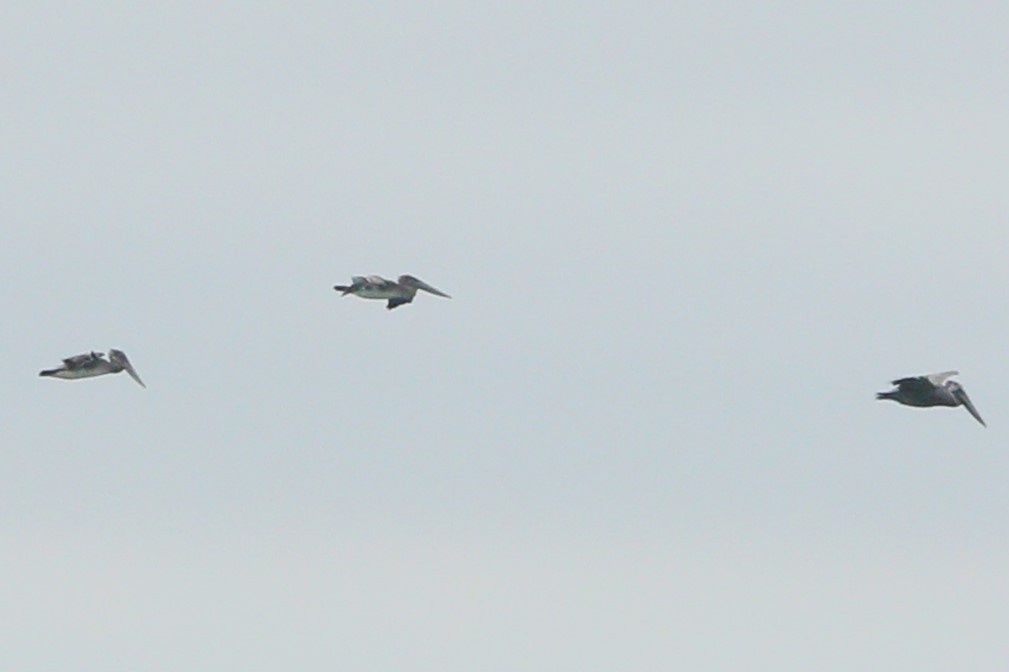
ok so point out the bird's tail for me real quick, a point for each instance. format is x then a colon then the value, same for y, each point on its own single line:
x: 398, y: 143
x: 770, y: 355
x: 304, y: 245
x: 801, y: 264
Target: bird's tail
x: 343, y: 289
x: 48, y: 372
x: 885, y: 395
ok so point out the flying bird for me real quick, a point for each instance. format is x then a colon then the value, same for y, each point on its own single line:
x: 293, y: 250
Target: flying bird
x: 931, y: 390
x: 93, y: 364
x: 398, y: 293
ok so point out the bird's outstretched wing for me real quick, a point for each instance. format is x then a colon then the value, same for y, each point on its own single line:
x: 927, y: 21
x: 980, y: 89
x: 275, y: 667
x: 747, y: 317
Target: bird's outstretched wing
x: 938, y: 379
x: 377, y: 282
x: 915, y: 387
x: 77, y: 361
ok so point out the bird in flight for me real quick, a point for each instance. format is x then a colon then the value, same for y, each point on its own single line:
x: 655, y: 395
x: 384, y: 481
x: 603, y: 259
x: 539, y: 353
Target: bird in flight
x: 931, y: 390
x: 93, y: 364
x: 398, y: 293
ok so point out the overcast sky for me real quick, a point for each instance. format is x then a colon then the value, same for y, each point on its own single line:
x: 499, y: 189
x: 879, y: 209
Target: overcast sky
x: 686, y: 244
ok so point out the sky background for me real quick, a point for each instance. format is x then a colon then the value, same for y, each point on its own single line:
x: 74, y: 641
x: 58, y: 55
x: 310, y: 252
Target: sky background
x: 686, y: 243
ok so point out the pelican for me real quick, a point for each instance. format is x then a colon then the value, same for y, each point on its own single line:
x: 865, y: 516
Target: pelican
x: 93, y: 364
x: 376, y: 287
x: 931, y: 390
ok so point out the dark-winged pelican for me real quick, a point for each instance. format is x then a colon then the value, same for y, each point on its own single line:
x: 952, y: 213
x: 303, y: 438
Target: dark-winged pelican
x: 931, y: 390
x: 93, y: 364
x: 376, y: 287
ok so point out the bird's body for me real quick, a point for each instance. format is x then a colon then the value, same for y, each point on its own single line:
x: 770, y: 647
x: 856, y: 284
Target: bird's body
x: 93, y: 364
x: 397, y: 292
x: 931, y: 390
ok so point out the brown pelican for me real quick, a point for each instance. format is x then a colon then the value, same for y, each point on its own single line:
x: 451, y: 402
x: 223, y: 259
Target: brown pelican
x: 93, y: 364
x: 376, y: 287
x: 931, y: 390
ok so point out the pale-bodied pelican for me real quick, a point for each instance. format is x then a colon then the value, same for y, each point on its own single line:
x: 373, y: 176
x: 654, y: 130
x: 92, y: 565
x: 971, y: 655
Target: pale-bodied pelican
x: 931, y: 390
x: 376, y: 287
x: 93, y: 364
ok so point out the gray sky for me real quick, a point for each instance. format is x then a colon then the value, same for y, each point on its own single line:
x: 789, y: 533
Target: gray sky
x: 686, y: 245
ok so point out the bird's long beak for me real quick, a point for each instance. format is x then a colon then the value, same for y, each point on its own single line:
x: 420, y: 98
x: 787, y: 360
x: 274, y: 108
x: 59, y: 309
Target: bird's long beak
x: 130, y: 370
x: 961, y: 395
x: 428, y: 288
x: 133, y: 374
